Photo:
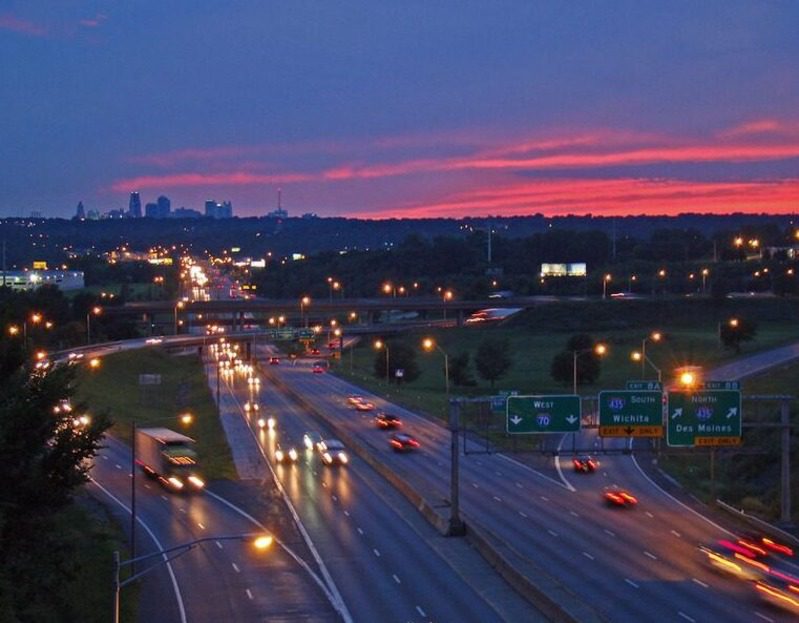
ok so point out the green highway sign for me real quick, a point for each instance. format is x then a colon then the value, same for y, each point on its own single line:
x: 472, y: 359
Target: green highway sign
x: 498, y: 402
x: 703, y: 418
x: 289, y: 333
x: 631, y: 413
x: 721, y: 385
x: 644, y: 385
x: 543, y: 414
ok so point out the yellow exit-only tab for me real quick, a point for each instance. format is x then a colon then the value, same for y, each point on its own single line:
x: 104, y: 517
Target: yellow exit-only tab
x: 717, y: 441
x: 631, y: 431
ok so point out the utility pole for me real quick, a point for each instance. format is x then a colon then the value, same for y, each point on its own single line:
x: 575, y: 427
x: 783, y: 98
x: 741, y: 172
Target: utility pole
x: 785, y: 467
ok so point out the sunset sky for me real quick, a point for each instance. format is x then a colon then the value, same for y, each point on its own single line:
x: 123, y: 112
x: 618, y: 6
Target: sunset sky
x: 383, y: 108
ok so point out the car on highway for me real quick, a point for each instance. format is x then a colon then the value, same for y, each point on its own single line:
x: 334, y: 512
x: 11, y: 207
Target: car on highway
x: 585, y: 464
x: 311, y: 439
x: 734, y: 559
x: 274, y: 361
x: 365, y: 405
x: 153, y: 340
x: 387, y: 420
x: 354, y: 399
x: 286, y: 455
x: 403, y: 442
x: 314, y: 352
x: 618, y: 498
x: 318, y: 368
x: 332, y: 452
x: 780, y: 593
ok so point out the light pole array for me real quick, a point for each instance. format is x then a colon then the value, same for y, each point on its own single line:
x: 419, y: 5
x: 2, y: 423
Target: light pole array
x: 382, y: 344
x: 94, y: 311
x: 655, y: 336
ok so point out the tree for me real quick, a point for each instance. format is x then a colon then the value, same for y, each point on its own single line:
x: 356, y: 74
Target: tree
x: 737, y: 330
x: 45, y: 455
x: 493, y: 359
x: 401, y: 357
x: 459, y: 370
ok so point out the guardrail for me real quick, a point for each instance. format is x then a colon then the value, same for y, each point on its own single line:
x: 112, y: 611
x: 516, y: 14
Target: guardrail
x: 765, y: 526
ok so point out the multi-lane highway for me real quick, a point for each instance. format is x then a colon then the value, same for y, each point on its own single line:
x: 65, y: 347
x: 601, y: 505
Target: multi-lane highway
x: 387, y: 563
x: 220, y: 580
x: 630, y: 565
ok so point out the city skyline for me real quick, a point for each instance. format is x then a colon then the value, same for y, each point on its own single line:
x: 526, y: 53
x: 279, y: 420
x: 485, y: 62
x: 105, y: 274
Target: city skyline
x: 366, y: 111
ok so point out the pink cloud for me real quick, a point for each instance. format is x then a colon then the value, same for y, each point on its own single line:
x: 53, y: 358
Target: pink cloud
x: 233, y: 178
x: 22, y: 26
x: 95, y: 21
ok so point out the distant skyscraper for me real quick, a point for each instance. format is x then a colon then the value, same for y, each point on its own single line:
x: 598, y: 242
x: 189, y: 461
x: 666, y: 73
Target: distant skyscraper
x: 134, y: 206
x: 218, y: 210
x: 80, y: 213
x: 159, y: 209
x: 151, y: 210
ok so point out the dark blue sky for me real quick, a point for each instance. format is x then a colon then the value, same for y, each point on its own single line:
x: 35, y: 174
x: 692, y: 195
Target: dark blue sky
x: 384, y: 108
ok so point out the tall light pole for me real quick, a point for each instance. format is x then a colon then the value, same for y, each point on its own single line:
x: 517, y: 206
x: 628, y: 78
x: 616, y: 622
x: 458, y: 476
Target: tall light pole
x: 390, y: 288
x: 381, y: 344
x: 705, y: 273
x: 446, y: 296
x: 605, y: 280
x: 178, y: 305
x: 598, y: 349
x: 259, y: 541
x: 96, y: 311
x: 304, y: 302
x: 430, y: 344
x: 638, y: 356
x: 655, y: 336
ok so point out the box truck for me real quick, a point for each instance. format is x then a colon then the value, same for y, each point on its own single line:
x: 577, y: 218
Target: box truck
x: 170, y: 457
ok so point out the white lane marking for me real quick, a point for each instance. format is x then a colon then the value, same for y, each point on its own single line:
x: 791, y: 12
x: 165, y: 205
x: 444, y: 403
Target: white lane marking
x: 140, y: 521
x: 315, y: 473
x: 346, y: 513
x: 686, y: 617
x: 249, y: 593
x: 105, y: 457
x: 519, y: 485
x: 573, y: 514
x: 700, y: 582
x: 567, y: 485
x: 670, y: 496
x: 335, y: 499
x: 552, y: 532
x: 421, y: 612
x: 218, y: 544
x: 650, y: 515
x: 146, y: 486
x: 118, y: 466
x: 360, y: 531
x: 182, y: 510
x: 498, y: 473
x: 650, y: 555
x: 377, y: 553
x: 396, y: 579
x: 523, y: 514
x: 236, y: 567
x: 164, y: 498
x: 497, y: 498
x: 475, y: 485
x: 609, y: 532
x: 631, y: 583
x: 324, y: 484
x: 764, y: 617
x: 545, y: 498
x: 675, y: 533
x: 587, y: 555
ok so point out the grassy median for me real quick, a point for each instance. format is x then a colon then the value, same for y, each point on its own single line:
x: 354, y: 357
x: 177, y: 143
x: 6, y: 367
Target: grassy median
x: 116, y: 387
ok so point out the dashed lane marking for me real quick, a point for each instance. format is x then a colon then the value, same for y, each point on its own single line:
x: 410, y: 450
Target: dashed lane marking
x: 346, y: 513
x: 609, y: 532
x: 164, y: 498
x: 675, y: 533
x: 118, y: 466
x: 249, y: 593
x: 545, y: 498
x: 396, y: 579
x: 377, y: 552
x: 700, y: 582
x: 650, y: 555
x: 650, y: 515
x: 573, y: 514
x: 764, y: 617
x: 202, y: 527
x: 335, y: 499
x: 236, y: 567
x: 420, y: 611
x: 498, y: 499
x: 631, y: 583
x: 218, y: 544
x: 360, y: 531
x: 552, y: 532
x: 686, y: 617
x: 523, y: 514
x: 589, y: 556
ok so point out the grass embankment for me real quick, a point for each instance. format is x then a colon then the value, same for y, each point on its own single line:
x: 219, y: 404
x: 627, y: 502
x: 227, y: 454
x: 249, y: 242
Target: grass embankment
x: 183, y: 388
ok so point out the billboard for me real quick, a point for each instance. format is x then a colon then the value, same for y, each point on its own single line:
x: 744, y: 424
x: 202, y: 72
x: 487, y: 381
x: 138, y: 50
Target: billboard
x: 563, y: 270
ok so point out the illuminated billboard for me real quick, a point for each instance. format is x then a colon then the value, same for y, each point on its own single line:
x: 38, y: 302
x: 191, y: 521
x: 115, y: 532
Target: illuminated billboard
x: 563, y: 270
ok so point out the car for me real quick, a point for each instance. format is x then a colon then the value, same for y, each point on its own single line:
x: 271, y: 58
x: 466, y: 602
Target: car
x: 783, y: 594
x: 332, y: 452
x: 734, y: 559
x: 311, y: 439
x: 314, y: 352
x: 332, y: 345
x: 364, y: 406
x: 274, y: 361
x: 153, y: 340
x: 286, y: 455
x: 619, y: 498
x: 354, y: 399
x: 585, y: 464
x: 387, y: 420
x: 318, y: 368
x: 403, y: 442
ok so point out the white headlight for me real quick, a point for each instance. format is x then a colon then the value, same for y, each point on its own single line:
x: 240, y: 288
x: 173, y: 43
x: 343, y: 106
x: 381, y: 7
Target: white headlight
x: 197, y: 482
x: 326, y: 456
x: 279, y: 455
x: 342, y: 457
x: 175, y: 483
x: 293, y: 454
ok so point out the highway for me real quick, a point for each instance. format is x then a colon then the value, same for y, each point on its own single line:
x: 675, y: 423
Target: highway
x: 631, y: 565
x: 386, y: 561
x: 220, y: 580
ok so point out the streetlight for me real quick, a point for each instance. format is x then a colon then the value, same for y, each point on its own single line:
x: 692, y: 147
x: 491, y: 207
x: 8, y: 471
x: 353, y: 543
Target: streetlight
x: 447, y: 295
x: 178, y: 305
x: 96, y: 310
x: 605, y: 280
x: 384, y: 345
x: 304, y: 302
x: 638, y: 356
x: 655, y: 336
x: 260, y: 542
x: 705, y: 273
x: 389, y: 288
x: 598, y: 349
x: 429, y: 344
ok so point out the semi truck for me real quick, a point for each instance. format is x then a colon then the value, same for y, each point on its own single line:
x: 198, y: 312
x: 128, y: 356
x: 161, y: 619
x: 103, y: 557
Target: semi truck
x: 170, y: 457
